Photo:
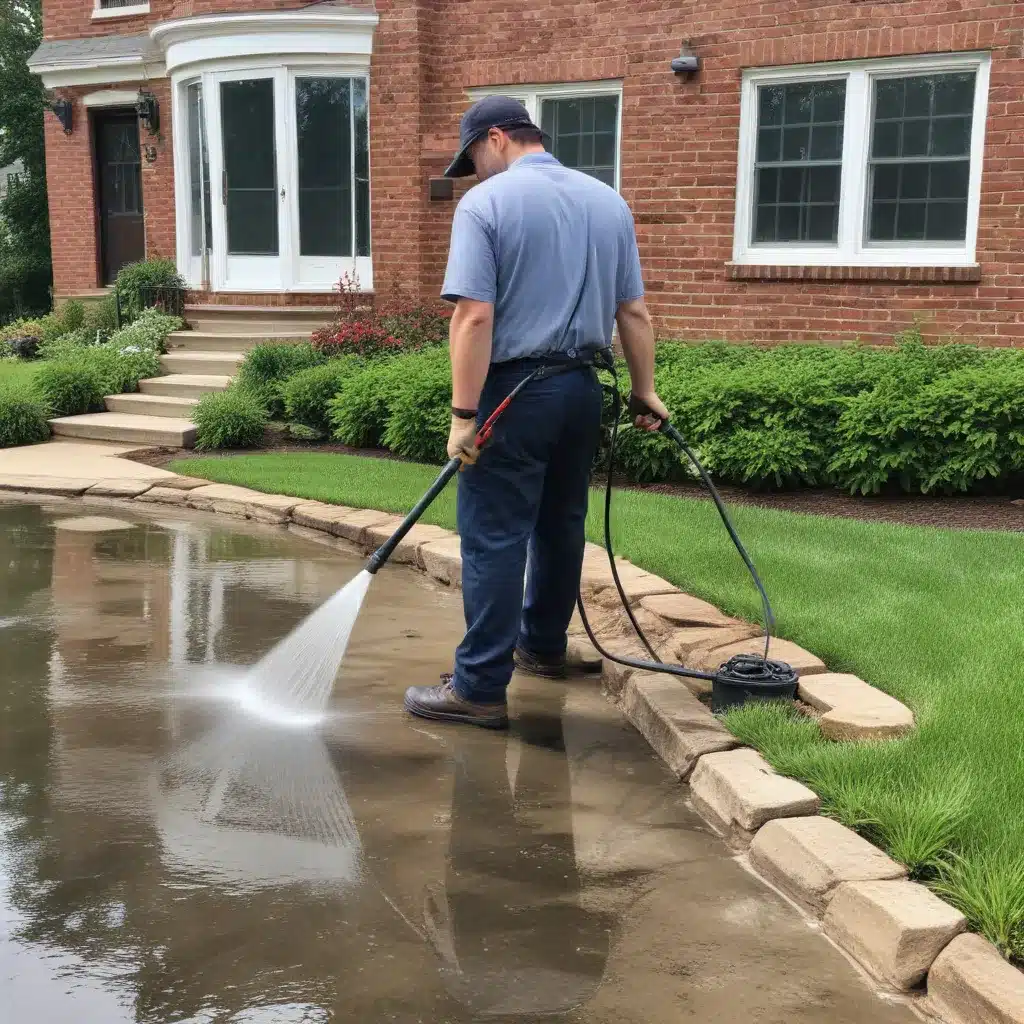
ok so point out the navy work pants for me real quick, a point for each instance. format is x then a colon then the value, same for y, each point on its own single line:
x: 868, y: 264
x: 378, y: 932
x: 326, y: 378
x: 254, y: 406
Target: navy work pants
x: 525, y: 501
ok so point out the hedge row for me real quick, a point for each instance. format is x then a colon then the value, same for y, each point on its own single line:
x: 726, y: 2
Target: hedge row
x: 75, y: 376
x: 911, y: 417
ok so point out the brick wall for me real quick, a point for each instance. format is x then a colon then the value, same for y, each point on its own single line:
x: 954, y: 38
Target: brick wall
x: 679, y: 144
x: 71, y: 181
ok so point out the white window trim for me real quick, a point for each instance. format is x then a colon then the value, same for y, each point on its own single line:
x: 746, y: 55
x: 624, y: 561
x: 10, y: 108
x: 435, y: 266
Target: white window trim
x: 851, y: 249
x: 532, y: 95
x: 119, y: 12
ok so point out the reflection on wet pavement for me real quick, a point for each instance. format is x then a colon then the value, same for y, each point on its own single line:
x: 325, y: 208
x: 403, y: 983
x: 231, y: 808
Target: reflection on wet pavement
x: 165, y: 859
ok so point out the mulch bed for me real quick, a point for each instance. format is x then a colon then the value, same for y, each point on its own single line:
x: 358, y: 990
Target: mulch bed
x: 956, y: 512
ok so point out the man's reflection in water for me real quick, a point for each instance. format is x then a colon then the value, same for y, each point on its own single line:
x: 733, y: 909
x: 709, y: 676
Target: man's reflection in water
x: 508, y: 925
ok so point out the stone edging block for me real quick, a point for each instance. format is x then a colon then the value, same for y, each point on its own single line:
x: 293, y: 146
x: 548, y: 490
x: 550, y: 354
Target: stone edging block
x: 971, y: 983
x: 673, y: 721
x: 240, y: 501
x: 684, y: 610
x: 317, y: 515
x: 408, y: 550
x: 807, y: 858
x: 116, y: 488
x: 738, y: 792
x: 163, y: 495
x: 894, y: 929
x: 854, y: 710
x: 442, y: 559
x: 802, y: 661
x: 65, y: 487
x: 690, y: 642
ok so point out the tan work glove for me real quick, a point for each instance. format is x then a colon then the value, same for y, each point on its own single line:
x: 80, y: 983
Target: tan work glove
x: 462, y: 441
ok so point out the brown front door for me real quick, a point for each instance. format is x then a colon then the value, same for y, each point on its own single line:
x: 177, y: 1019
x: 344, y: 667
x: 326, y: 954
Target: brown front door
x: 122, y: 235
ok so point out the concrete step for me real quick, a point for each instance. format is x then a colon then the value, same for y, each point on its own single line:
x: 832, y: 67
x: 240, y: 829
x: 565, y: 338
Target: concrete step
x: 284, y: 314
x: 184, y: 385
x: 220, y: 363
x: 165, y: 431
x: 265, y: 329
x: 152, y: 405
x: 222, y: 341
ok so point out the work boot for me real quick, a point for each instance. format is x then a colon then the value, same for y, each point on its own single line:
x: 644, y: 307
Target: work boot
x: 576, y: 661
x: 443, y: 704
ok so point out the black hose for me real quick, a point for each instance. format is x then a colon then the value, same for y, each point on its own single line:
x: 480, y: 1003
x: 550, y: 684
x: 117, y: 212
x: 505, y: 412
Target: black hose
x: 741, y: 670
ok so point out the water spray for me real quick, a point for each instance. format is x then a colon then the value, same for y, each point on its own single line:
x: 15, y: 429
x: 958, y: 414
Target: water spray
x: 305, y: 664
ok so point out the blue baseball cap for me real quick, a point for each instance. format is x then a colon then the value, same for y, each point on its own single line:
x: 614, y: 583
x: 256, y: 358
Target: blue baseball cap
x: 490, y: 112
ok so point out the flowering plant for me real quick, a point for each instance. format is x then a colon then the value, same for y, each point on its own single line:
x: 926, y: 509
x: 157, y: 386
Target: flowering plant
x: 355, y: 337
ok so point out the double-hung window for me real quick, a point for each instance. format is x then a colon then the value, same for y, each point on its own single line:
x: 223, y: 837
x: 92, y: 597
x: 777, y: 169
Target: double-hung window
x: 874, y: 163
x: 582, y: 121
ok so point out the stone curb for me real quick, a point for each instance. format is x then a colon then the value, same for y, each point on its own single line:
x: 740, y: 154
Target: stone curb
x: 808, y: 858
x: 896, y: 929
x: 970, y: 982
x: 737, y: 792
x: 673, y: 721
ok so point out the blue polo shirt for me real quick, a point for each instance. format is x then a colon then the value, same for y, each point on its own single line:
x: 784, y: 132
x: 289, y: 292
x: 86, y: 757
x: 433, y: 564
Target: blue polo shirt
x: 530, y: 240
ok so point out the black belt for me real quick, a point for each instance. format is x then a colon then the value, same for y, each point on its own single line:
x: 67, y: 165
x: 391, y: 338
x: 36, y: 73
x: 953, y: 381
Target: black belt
x: 542, y: 366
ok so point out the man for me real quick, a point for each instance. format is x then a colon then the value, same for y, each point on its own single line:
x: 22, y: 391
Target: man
x: 543, y: 259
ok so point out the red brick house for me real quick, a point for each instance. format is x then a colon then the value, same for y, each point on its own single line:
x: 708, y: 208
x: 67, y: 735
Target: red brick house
x: 834, y: 168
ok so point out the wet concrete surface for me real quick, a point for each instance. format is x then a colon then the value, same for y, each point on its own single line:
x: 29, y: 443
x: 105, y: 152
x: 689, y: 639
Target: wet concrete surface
x: 164, y: 858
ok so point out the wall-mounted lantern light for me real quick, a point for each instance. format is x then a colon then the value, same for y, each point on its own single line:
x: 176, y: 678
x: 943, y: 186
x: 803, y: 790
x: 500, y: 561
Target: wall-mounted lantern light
x: 64, y: 109
x: 148, y: 110
x: 687, y: 63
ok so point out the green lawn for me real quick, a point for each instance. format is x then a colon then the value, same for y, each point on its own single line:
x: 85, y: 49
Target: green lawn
x: 17, y: 372
x: 931, y: 616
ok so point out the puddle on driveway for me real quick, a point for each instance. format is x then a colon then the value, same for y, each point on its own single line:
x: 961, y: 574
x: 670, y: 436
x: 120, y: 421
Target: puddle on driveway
x: 164, y: 859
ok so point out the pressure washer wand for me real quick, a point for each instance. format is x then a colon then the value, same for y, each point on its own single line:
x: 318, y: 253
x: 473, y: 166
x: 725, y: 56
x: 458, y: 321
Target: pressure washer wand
x: 483, y: 435
x: 385, y: 551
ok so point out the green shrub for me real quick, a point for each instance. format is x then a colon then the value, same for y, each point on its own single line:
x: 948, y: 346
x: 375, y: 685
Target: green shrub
x: 419, y: 407
x: 134, y: 279
x: 101, y: 318
x: 300, y: 432
x: 307, y: 393
x: 66, y: 346
x: 72, y: 316
x: 148, y: 330
x: 229, y: 419
x: 926, y: 430
x: 122, y: 369
x: 920, y: 418
x: 15, y: 332
x: 647, y: 458
x: 359, y: 412
x: 23, y: 416
x: 266, y: 367
x: 71, y: 386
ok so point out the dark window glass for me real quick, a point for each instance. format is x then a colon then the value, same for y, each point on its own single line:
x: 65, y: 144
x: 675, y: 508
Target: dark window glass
x: 250, y: 166
x: 920, y: 158
x: 798, y: 164
x: 583, y: 133
x: 334, y: 165
x: 362, y: 132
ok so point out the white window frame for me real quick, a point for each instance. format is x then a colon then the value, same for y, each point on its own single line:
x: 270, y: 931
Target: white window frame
x: 852, y: 248
x: 531, y: 96
x: 132, y: 11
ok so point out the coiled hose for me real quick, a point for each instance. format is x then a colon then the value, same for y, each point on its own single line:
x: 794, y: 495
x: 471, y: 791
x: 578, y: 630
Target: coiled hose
x: 743, y: 670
